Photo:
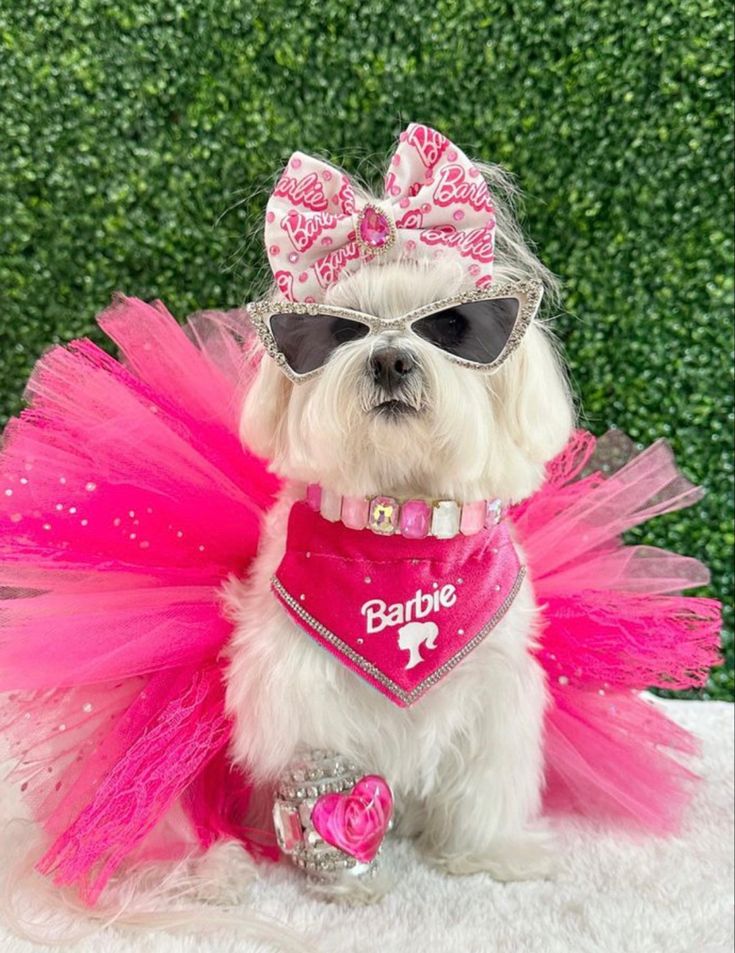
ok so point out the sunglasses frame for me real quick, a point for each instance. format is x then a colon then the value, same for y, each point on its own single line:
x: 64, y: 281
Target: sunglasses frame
x: 528, y: 293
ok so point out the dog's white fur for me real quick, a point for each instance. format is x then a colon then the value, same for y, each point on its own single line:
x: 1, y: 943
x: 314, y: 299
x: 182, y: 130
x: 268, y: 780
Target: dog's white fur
x: 465, y: 762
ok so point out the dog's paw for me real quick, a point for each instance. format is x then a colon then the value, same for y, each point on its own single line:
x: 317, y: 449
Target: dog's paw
x: 223, y: 876
x: 353, y: 891
x: 409, y: 821
x: 528, y: 856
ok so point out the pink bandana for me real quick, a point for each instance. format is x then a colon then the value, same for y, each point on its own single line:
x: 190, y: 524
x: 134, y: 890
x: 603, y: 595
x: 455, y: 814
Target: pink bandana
x: 399, y: 612
x: 436, y: 204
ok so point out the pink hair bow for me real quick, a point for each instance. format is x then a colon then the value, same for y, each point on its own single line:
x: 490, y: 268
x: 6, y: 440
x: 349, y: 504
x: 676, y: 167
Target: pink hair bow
x: 436, y: 203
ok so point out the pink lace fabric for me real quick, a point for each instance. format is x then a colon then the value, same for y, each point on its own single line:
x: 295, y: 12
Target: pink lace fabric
x: 126, y: 499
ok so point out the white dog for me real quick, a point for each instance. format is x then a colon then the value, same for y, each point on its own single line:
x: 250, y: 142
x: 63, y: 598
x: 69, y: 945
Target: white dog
x: 465, y: 763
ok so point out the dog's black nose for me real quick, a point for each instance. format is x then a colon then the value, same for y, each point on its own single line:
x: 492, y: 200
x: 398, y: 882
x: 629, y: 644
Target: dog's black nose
x: 390, y: 366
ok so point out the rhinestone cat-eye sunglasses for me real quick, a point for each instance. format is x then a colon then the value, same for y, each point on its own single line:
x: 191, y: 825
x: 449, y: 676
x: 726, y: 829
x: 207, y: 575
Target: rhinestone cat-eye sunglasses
x: 478, y: 329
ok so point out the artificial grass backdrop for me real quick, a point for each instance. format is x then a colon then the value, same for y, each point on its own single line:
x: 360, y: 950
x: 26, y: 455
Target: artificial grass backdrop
x: 128, y: 128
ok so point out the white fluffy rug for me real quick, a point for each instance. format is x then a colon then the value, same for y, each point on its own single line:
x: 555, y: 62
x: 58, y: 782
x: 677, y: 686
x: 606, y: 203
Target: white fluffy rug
x: 611, y: 895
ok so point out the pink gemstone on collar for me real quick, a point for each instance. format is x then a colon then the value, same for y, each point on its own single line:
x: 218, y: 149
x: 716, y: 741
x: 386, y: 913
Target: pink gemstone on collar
x: 383, y: 516
x: 374, y: 227
x: 415, y: 519
x: 314, y: 496
x: 473, y: 518
x: 331, y: 505
x: 355, y: 511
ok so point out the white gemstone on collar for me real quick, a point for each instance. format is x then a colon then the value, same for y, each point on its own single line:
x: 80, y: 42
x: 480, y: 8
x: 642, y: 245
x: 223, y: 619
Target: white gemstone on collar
x: 445, y: 519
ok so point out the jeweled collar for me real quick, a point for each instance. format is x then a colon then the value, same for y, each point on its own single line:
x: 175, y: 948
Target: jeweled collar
x: 411, y: 518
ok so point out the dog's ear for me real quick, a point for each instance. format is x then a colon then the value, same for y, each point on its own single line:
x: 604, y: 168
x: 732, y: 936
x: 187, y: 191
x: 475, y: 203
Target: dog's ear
x: 262, y: 422
x: 535, y: 398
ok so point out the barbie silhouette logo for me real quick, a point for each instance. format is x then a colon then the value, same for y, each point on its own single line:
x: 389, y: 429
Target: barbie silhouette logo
x: 415, y: 634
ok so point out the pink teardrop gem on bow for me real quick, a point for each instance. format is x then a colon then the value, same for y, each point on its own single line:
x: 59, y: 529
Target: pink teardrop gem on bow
x: 374, y: 228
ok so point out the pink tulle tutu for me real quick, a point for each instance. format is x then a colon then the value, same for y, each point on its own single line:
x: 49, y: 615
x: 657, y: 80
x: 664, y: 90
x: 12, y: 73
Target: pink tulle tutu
x: 126, y: 500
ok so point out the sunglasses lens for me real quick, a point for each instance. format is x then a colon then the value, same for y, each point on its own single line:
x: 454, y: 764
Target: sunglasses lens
x: 308, y: 340
x: 476, y: 331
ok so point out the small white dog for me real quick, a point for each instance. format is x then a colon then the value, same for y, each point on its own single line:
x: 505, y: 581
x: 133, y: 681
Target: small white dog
x: 465, y: 763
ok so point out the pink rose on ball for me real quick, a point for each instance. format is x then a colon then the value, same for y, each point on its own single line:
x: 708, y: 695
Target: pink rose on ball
x: 356, y: 822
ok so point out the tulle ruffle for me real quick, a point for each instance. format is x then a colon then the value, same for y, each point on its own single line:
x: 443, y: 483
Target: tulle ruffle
x: 615, y: 623
x: 126, y: 499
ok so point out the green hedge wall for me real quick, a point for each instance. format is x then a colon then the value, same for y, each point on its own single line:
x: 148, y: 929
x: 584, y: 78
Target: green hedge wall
x: 127, y: 129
